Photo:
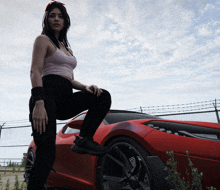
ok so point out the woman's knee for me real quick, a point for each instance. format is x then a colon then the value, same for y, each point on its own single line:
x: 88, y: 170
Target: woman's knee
x: 106, y: 96
x: 45, y: 140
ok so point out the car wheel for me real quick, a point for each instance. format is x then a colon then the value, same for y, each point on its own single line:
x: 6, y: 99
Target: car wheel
x: 29, y: 163
x: 124, y: 166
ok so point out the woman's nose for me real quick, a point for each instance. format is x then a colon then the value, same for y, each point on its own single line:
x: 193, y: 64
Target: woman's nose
x: 57, y: 17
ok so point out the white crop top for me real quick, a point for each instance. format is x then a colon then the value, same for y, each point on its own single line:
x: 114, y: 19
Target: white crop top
x: 59, y: 64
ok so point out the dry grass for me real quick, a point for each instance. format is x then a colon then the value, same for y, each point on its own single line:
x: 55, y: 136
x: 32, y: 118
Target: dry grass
x: 11, y: 176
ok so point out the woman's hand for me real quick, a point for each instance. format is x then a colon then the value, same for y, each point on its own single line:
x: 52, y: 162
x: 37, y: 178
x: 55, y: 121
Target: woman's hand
x: 39, y: 117
x: 94, y: 90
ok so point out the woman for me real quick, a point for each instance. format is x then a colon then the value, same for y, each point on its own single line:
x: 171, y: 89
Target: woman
x: 52, y: 98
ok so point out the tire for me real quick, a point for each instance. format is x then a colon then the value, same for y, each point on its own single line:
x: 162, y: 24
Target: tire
x: 124, y: 166
x: 29, y: 163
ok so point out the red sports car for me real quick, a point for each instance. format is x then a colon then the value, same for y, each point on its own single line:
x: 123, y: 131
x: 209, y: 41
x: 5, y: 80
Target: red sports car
x: 137, y: 156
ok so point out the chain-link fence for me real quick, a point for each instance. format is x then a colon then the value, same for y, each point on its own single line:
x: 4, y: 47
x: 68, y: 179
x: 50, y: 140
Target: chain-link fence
x: 206, y: 111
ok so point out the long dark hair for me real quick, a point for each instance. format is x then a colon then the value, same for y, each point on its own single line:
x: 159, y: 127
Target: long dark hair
x: 47, y: 29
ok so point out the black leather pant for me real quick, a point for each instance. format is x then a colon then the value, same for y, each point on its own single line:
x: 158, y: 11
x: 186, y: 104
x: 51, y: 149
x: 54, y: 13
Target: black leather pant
x: 61, y: 103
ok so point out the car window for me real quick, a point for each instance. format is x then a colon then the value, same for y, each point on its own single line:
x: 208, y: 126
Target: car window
x: 71, y: 130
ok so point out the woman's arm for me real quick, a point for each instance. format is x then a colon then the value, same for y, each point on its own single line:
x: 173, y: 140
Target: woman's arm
x: 38, y: 56
x: 77, y: 85
x: 92, y: 89
x: 39, y: 114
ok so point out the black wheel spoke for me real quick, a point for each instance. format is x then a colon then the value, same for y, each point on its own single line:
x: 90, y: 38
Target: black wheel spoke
x: 112, y: 182
x: 127, y: 187
x: 141, y: 177
x: 31, y: 161
x: 28, y: 168
x: 127, y: 162
x: 144, y: 186
x: 114, y: 179
x: 106, y: 186
x: 29, y: 164
x: 124, y: 168
x: 141, y: 172
x: 115, y: 160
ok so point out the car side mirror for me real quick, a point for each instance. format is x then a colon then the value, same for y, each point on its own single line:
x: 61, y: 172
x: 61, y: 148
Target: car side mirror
x: 76, y: 124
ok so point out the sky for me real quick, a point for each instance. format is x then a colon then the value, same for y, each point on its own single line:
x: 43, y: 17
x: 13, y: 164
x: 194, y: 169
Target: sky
x: 144, y: 52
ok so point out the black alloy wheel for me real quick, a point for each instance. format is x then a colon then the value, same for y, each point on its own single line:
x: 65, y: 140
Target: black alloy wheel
x: 124, y: 166
x: 29, y: 163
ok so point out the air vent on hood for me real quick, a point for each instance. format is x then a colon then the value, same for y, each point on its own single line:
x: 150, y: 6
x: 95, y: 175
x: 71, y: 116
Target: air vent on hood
x: 186, y: 130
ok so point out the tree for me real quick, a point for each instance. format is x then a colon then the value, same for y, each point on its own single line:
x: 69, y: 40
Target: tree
x: 23, y: 162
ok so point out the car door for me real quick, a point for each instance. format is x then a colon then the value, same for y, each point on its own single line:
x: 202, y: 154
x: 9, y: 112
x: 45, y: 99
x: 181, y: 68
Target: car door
x: 75, y: 167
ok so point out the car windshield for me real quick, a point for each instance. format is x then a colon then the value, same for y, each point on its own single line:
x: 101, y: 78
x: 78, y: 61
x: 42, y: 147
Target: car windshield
x: 125, y: 116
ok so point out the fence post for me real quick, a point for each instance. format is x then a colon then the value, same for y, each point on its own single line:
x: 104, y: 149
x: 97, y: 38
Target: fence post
x: 216, y: 111
x: 1, y: 128
x: 141, y: 109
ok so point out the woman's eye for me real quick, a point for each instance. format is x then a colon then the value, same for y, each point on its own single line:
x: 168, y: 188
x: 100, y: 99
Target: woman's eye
x: 53, y: 15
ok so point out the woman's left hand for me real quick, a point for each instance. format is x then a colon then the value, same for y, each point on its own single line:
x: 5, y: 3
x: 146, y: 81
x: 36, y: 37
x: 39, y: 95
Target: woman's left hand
x: 94, y: 90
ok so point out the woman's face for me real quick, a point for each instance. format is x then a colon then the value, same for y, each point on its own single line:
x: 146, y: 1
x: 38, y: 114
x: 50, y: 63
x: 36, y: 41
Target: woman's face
x: 56, y: 20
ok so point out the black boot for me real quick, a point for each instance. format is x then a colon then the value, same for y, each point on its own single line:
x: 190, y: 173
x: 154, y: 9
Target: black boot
x: 88, y: 146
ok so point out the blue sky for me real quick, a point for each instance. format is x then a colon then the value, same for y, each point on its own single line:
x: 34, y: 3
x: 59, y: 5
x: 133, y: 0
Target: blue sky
x: 144, y: 52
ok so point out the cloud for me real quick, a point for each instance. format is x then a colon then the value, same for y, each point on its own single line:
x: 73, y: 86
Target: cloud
x: 193, y: 87
x: 204, y: 30
x: 135, y: 45
x: 208, y: 7
x: 145, y: 53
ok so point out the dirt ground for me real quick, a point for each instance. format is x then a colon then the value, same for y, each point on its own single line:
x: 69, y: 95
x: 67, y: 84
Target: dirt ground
x: 12, y: 179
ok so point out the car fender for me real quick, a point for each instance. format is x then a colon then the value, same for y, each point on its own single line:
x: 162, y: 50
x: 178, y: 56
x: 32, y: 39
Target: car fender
x: 135, y: 131
x: 32, y: 145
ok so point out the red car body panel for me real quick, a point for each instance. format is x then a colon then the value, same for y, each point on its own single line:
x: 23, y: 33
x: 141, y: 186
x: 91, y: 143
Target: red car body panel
x: 68, y: 163
x: 78, y: 171
x: 204, y: 154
